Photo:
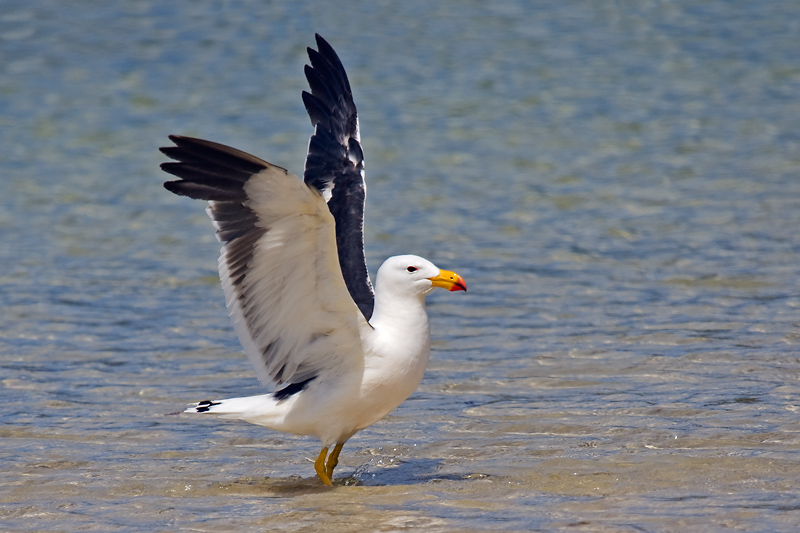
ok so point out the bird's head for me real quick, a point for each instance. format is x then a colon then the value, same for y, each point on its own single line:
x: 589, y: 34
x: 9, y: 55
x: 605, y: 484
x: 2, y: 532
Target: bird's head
x: 415, y: 275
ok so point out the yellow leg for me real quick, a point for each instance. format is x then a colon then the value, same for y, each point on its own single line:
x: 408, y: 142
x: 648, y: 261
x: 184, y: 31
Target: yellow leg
x: 319, y: 466
x: 333, y: 460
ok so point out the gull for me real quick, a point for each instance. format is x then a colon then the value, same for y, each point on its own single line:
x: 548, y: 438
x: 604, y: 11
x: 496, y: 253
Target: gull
x: 295, y: 277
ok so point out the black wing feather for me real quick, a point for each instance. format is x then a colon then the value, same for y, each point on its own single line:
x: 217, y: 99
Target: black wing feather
x: 335, y: 165
x: 218, y: 173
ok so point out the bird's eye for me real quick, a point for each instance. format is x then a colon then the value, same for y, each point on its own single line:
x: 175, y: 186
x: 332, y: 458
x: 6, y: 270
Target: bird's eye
x: 412, y: 269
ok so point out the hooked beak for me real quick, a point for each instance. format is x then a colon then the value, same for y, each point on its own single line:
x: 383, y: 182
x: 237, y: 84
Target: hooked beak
x: 450, y: 281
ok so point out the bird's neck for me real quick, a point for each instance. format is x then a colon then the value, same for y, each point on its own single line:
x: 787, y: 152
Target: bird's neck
x: 400, y: 327
x: 399, y: 343
x: 403, y: 313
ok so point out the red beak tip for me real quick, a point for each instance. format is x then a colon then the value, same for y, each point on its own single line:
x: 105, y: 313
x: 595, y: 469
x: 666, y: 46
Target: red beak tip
x: 460, y: 286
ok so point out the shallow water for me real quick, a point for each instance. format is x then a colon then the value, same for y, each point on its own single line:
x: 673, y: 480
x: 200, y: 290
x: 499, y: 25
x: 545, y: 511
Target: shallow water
x: 618, y: 183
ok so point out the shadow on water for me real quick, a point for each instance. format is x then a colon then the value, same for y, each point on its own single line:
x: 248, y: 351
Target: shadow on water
x: 406, y: 480
x: 404, y: 472
x: 272, y: 487
x: 398, y: 473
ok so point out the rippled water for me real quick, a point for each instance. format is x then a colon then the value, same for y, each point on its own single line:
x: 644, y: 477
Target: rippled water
x: 617, y: 182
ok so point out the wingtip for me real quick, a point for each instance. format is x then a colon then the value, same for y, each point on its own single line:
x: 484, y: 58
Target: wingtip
x: 174, y: 139
x: 325, y: 49
x: 321, y: 44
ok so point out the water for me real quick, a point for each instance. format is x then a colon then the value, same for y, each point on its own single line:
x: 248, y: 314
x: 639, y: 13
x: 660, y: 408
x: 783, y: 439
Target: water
x: 617, y: 182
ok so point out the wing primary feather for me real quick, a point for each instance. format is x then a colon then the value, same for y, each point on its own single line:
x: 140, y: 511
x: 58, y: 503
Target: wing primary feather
x: 201, y: 177
x: 317, y: 111
x: 199, y: 191
x: 219, y: 154
x: 320, y: 88
x: 327, y: 51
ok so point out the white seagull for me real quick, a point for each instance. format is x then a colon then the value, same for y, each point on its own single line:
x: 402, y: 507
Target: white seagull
x: 295, y: 277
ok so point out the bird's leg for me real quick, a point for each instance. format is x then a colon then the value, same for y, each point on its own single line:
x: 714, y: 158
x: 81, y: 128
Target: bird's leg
x: 319, y: 466
x: 333, y: 460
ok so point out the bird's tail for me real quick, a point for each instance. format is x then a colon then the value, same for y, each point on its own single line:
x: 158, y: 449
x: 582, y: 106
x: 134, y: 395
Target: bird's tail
x: 233, y: 407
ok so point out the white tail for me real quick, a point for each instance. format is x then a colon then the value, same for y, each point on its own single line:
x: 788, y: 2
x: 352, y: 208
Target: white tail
x: 232, y: 406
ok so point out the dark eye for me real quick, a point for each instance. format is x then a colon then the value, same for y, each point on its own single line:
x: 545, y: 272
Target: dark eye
x: 412, y: 269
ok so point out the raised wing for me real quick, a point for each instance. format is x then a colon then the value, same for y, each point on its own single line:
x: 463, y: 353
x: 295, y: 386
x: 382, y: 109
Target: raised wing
x: 278, y: 265
x: 335, y: 165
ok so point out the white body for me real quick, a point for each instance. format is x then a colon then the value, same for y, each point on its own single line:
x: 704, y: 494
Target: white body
x: 334, y: 407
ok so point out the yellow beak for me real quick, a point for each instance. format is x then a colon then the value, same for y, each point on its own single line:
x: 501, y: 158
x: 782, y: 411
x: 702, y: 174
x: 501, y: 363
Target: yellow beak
x: 449, y: 280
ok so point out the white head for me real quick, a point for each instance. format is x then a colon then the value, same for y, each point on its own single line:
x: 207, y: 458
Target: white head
x: 410, y: 275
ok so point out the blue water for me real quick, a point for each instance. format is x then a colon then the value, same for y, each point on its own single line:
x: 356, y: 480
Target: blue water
x: 619, y: 183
